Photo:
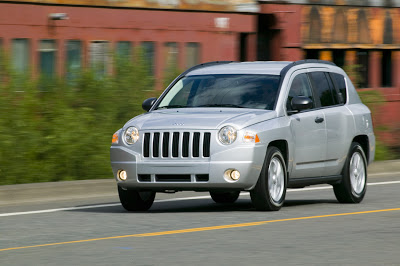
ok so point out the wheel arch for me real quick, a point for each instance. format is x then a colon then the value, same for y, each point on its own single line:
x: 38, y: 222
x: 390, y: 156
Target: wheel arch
x: 282, y: 145
x: 364, y: 142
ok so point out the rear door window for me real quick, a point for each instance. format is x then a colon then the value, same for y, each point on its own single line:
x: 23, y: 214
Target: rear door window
x: 322, y: 88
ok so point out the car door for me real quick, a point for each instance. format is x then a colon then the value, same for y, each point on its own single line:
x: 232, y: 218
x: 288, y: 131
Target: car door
x: 308, y: 131
x: 338, y: 120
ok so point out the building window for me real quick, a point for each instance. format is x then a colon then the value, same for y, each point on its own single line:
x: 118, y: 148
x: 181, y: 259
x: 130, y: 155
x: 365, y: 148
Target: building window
x: 312, y: 54
x: 338, y: 57
x: 20, y: 55
x: 340, y: 28
x: 149, y: 55
x: 47, y: 57
x: 99, y: 57
x: 388, y: 32
x: 243, y: 37
x: 171, y: 55
x: 73, y: 58
x: 386, y: 68
x: 362, y: 62
x: 315, y: 26
x: 124, y: 49
x: 363, y: 27
x: 192, y: 54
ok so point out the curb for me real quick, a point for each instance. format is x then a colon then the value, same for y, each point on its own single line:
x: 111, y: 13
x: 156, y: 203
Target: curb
x: 56, y: 191
x: 382, y: 167
x: 83, y: 189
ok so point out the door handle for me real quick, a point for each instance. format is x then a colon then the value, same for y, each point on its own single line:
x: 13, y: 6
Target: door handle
x: 319, y: 120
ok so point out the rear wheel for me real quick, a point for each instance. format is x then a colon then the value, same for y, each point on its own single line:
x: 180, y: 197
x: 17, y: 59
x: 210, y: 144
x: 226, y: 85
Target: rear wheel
x: 270, y: 190
x: 353, y: 187
x: 225, y: 197
x: 133, y: 200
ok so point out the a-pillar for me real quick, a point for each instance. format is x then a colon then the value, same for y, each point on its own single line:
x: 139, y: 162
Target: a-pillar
x: 375, y: 69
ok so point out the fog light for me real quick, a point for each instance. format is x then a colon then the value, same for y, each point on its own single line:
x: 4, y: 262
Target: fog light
x: 231, y: 175
x: 122, y: 175
x: 235, y: 175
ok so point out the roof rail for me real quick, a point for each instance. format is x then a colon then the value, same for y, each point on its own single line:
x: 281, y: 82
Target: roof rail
x: 308, y: 61
x: 205, y: 65
x: 196, y: 67
x: 304, y: 61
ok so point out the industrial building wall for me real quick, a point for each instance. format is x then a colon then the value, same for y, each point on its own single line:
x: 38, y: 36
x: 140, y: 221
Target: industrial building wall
x: 84, y: 35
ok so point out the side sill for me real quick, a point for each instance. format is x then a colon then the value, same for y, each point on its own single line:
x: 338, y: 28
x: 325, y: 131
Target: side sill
x: 309, y: 181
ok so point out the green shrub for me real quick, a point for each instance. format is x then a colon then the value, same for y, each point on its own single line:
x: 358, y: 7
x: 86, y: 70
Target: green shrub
x: 53, y: 129
x: 375, y: 99
x: 383, y: 152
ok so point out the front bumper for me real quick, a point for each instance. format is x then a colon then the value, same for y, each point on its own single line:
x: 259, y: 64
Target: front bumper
x: 247, y: 159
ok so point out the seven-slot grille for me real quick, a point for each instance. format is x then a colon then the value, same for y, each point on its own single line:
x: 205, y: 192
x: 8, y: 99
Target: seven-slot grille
x: 176, y: 144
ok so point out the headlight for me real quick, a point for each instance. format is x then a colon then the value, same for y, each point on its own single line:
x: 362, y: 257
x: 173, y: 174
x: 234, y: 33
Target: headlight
x: 227, y: 135
x: 131, y: 135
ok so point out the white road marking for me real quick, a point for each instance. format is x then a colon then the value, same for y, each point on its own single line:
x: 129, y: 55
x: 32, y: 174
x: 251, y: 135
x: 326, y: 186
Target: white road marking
x: 60, y: 209
x: 386, y: 174
x: 173, y: 199
x: 383, y: 183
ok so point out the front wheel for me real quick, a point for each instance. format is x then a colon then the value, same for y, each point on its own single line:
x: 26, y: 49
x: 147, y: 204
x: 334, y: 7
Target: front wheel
x: 133, y: 200
x: 270, y: 190
x: 225, y: 197
x: 353, y: 187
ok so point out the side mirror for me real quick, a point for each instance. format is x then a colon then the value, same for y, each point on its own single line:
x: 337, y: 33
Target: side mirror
x: 301, y: 103
x: 148, y: 103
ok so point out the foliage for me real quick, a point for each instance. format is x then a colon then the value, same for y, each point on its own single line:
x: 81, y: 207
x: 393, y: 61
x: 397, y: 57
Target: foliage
x: 170, y: 74
x: 56, y: 129
x: 383, y: 152
x: 374, y: 99
x: 353, y: 71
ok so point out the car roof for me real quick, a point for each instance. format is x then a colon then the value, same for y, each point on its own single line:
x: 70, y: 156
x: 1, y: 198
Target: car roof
x: 257, y: 67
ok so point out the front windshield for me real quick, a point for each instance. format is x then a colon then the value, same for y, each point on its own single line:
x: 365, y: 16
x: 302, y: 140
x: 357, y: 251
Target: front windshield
x: 227, y: 90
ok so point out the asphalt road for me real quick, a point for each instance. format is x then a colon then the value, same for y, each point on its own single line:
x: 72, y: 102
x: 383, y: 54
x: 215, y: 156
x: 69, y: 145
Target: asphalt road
x: 311, y: 229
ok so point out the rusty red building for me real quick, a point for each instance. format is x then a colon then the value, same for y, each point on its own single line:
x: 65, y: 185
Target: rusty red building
x: 56, y: 37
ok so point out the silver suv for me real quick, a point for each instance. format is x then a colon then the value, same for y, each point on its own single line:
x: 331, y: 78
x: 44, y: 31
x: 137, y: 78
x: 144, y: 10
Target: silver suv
x: 263, y: 127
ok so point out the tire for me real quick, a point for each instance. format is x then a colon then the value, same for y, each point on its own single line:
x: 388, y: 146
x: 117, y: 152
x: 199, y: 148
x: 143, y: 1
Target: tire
x: 225, y: 197
x: 353, y: 187
x: 133, y: 200
x: 270, y: 190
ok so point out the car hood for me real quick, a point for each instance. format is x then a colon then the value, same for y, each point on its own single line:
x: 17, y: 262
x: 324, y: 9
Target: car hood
x: 200, y: 118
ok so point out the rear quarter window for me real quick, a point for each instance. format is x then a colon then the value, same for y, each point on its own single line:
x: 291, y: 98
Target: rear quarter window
x: 340, y: 84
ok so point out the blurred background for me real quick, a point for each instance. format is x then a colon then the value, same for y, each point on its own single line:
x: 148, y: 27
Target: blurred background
x: 72, y: 72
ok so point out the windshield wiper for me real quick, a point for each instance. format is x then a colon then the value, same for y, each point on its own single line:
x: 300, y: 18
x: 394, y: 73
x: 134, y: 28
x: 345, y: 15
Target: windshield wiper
x: 221, y: 105
x: 171, y: 106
